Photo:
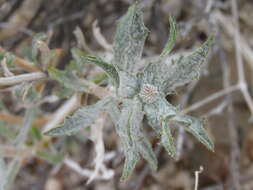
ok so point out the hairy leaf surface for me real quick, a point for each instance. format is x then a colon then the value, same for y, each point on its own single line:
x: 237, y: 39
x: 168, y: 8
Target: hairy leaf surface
x: 195, y: 127
x: 68, y: 80
x: 157, y: 111
x: 167, y: 139
x: 129, y: 146
x: 143, y: 145
x: 81, y: 119
x: 107, y: 67
x: 129, y: 39
x: 167, y: 74
x: 129, y: 85
x: 172, y: 38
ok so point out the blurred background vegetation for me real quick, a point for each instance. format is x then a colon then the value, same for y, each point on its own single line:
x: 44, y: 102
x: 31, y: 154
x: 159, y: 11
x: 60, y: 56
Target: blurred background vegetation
x: 64, y: 163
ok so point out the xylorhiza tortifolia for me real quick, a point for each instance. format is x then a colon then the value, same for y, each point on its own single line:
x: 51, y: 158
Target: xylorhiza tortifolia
x: 141, y: 93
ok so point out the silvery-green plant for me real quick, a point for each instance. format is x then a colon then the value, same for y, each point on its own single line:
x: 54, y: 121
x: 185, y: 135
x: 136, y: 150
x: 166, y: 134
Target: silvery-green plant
x: 140, y: 93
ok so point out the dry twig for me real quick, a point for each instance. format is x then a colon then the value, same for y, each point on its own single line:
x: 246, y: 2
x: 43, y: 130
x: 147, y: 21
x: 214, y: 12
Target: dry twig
x: 197, y: 177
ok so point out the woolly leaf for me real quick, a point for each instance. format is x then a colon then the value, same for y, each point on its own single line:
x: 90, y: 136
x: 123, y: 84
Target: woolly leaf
x: 128, y: 85
x: 129, y: 39
x: 81, y: 119
x: 157, y: 111
x: 107, y: 67
x: 167, y: 139
x: 120, y: 118
x: 113, y: 110
x: 195, y: 127
x: 172, y: 38
x: 129, y: 128
x: 143, y: 145
x: 131, y: 159
x: 124, y: 131
x: 169, y: 73
x: 68, y: 79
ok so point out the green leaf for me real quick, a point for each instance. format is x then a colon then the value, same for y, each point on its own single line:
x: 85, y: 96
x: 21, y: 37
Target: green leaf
x: 167, y: 139
x: 172, y: 38
x: 35, y: 44
x: 195, y: 127
x: 169, y: 73
x: 129, y: 128
x: 68, y: 79
x: 129, y: 39
x: 114, y: 112
x: 129, y: 85
x: 131, y: 159
x: 143, y: 145
x: 81, y: 119
x: 78, y: 56
x: 5, y: 131
x: 107, y: 67
x: 123, y: 129
x: 158, y: 111
x: 54, y: 158
x: 35, y: 132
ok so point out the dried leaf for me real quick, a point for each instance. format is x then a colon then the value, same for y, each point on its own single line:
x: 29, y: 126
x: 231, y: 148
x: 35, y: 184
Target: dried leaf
x: 129, y: 39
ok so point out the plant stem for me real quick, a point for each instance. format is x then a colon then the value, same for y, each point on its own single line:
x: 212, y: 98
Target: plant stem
x: 15, y: 164
x: 212, y: 97
x: 22, y: 78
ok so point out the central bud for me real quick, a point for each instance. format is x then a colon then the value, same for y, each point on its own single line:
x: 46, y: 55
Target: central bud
x: 148, y: 93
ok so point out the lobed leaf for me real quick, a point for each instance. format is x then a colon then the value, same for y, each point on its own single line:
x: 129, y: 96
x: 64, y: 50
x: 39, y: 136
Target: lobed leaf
x: 123, y: 129
x: 129, y: 128
x: 195, y: 127
x: 172, y: 38
x: 131, y: 159
x: 128, y: 86
x: 143, y: 145
x: 158, y: 111
x: 129, y: 39
x: 169, y: 73
x: 81, y: 119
